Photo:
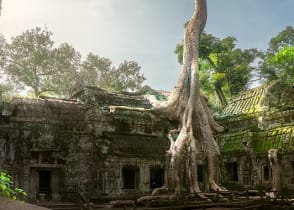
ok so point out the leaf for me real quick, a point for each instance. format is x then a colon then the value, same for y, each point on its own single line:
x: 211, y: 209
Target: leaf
x: 213, y: 57
x: 3, y: 187
x: 218, y: 76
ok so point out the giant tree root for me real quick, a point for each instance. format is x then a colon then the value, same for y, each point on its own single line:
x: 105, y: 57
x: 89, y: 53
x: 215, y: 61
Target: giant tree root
x: 149, y: 198
x: 119, y: 203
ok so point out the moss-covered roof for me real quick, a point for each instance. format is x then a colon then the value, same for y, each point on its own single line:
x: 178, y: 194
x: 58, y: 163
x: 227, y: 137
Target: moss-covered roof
x: 246, y: 102
x: 96, y: 96
x: 265, y: 115
x: 270, y: 97
x: 281, y: 138
x: 233, y: 142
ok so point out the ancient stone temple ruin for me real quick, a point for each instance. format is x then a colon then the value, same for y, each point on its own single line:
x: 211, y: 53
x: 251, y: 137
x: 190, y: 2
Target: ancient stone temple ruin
x: 53, y: 147
x: 97, y: 143
x: 256, y: 121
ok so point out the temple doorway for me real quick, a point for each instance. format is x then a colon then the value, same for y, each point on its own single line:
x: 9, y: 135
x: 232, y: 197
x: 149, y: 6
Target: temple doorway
x: 45, y: 177
x: 156, y: 177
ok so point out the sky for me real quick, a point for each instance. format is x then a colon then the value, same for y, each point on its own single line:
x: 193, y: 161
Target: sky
x: 146, y: 31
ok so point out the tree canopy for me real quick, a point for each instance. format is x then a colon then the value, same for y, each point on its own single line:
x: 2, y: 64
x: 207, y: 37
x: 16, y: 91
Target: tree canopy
x: 31, y: 60
x: 226, y: 68
x: 98, y: 71
x: 278, y: 60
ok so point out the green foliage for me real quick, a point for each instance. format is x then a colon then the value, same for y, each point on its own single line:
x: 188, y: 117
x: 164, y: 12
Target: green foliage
x: 99, y: 72
x: 284, y: 63
x: 180, y: 52
x: 8, y: 190
x: 7, y: 92
x: 3, y: 45
x: 277, y: 138
x: 128, y: 76
x: 205, y: 77
x: 278, y: 61
x: 96, y: 71
x: 67, y: 63
x: 223, y: 67
x: 283, y: 39
x: 31, y: 60
x: 232, y: 143
x: 146, y: 90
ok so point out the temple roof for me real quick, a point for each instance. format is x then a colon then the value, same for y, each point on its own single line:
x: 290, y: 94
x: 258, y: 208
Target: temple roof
x: 246, y: 102
x: 263, y: 116
x: 270, y: 97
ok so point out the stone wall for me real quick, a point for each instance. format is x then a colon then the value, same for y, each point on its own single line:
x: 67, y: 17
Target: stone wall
x: 256, y: 121
x: 83, y: 142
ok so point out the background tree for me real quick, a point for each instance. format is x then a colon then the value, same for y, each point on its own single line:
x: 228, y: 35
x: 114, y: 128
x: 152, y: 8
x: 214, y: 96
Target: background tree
x: 229, y: 67
x: 283, y: 63
x: 3, y: 45
x: 28, y: 58
x: 6, y: 91
x: 96, y: 71
x: 128, y: 76
x: 278, y: 61
x: 67, y: 69
x: 99, y: 72
x: 32, y: 61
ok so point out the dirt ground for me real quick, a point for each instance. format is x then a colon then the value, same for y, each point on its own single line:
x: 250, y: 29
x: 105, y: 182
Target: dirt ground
x: 8, y: 204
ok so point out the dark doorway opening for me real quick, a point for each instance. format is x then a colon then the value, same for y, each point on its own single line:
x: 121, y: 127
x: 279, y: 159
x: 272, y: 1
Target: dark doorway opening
x: 292, y: 170
x: 130, y: 178
x: 200, y: 173
x: 156, y: 177
x: 231, y: 171
x: 44, y: 184
x: 266, y: 173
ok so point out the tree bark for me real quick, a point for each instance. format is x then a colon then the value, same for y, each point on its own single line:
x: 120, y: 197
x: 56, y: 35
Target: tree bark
x: 196, y: 124
x: 218, y: 89
x: 275, y: 166
x: 0, y: 6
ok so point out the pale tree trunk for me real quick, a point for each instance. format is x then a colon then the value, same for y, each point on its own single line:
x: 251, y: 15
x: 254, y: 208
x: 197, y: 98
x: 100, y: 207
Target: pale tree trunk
x: 196, y: 124
x: 275, y: 166
x: 0, y: 6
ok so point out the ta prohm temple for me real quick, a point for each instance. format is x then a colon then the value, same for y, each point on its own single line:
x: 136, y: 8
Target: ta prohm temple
x: 104, y: 144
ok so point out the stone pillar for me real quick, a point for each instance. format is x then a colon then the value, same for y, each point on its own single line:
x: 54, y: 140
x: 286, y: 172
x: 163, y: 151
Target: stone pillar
x: 56, y: 184
x: 31, y: 183
x: 1, y: 92
x: 144, y: 185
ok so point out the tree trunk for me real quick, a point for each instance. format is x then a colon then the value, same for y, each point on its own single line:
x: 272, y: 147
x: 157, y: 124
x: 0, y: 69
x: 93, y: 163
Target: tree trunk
x: 196, y: 124
x: 220, y: 94
x: 0, y: 6
x: 218, y: 89
x: 275, y: 166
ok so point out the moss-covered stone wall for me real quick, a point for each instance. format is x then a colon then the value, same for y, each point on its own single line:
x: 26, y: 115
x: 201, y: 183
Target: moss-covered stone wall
x: 80, y: 142
x: 256, y: 121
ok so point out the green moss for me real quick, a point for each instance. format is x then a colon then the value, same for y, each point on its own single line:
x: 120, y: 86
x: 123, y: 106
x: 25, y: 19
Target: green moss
x: 234, y: 142
x: 280, y: 138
